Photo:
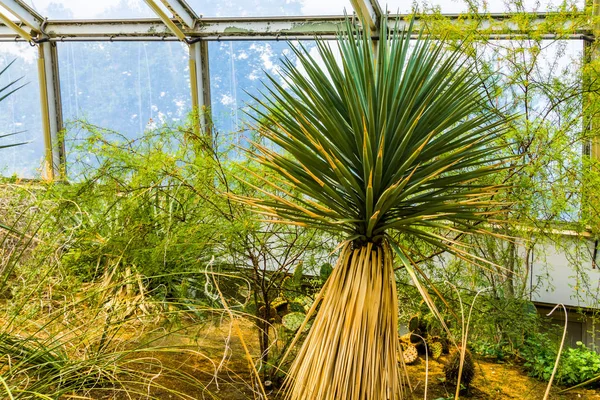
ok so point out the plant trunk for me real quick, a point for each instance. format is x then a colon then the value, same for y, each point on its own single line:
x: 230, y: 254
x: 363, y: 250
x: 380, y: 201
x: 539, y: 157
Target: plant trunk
x: 352, y: 349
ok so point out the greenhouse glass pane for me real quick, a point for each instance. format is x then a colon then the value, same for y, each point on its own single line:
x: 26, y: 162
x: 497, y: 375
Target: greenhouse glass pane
x: 463, y: 6
x: 104, y: 9
x: 541, y: 82
x: 237, y: 71
x: 127, y: 87
x: 20, y: 112
x: 8, y: 14
x: 269, y: 8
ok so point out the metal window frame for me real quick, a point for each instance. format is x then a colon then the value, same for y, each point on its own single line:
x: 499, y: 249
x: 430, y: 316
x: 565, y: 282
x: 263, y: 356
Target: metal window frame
x: 494, y: 25
x: 182, y: 12
x: 368, y: 11
x: 200, y: 84
x: 169, y: 23
x: 24, y: 13
x: 49, y: 85
x: 198, y: 57
x: 51, y: 110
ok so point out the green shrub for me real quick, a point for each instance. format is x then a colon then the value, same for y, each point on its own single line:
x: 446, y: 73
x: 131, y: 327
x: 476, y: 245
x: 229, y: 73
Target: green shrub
x: 141, y: 203
x: 576, y: 364
x: 580, y: 364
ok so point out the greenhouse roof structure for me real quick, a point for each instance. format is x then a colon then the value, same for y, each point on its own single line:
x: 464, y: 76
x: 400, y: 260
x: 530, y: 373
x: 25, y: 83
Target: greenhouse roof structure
x: 66, y: 36
x: 176, y: 19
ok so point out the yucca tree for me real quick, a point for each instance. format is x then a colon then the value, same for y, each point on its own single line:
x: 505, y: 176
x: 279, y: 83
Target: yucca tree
x: 369, y: 143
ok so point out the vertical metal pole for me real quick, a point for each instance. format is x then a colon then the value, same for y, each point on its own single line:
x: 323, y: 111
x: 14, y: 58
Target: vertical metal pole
x: 593, y: 56
x: 591, y: 120
x: 194, y: 78
x: 54, y: 160
x: 200, y: 83
x: 55, y: 109
x: 205, y: 75
x: 375, y: 44
x: 48, y: 169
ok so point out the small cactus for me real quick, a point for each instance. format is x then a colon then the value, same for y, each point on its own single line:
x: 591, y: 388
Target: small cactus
x: 410, y: 354
x: 434, y: 338
x: 436, y: 349
x: 453, y: 365
x: 295, y: 306
x: 413, y: 323
x: 279, y: 302
x: 304, y: 301
x: 293, y: 321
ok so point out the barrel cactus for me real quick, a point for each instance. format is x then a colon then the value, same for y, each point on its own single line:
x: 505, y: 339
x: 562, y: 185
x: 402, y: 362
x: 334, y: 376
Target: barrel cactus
x: 413, y: 323
x: 452, y: 367
x: 436, y: 349
x: 409, y: 354
x: 293, y: 321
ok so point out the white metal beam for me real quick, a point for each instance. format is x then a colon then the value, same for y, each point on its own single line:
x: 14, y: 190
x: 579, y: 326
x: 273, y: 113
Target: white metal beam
x: 14, y: 28
x: 289, y: 27
x: 107, y: 28
x: 199, y: 79
x: 145, y: 28
x: 497, y: 26
x: 206, y: 27
x: 54, y: 106
x: 45, y: 102
x: 25, y: 13
x: 182, y: 12
x: 166, y: 20
x: 368, y: 11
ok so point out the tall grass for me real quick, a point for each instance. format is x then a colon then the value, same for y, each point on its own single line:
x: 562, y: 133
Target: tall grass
x: 111, y: 337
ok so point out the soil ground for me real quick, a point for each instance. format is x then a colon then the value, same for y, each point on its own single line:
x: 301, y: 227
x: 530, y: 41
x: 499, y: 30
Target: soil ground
x: 492, y: 381
x: 219, y: 361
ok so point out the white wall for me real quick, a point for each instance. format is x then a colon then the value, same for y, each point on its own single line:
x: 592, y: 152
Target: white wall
x: 564, y: 274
